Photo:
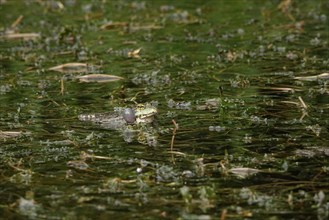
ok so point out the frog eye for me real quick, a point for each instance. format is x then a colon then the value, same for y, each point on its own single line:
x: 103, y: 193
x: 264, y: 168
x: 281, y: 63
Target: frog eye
x: 129, y: 116
x: 140, y: 106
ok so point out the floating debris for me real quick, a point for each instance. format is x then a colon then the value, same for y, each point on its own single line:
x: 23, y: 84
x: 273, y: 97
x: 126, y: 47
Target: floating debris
x: 183, y: 105
x: 27, y: 206
x: 265, y: 90
x: 216, y: 128
x: 166, y: 8
x: 316, y: 129
x: 135, y: 28
x: 21, y: 36
x: 57, y: 143
x: 153, y: 79
x: 84, y: 156
x: 99, y: 78
x: 316, y: 151
x: 291, y: 56
x: 70, y: 67
x: 182, y: 17
x: 78, y: 164
x: 324, y: 76
x: 210, y: 104
x: 243, y: 172
x: 166, y: 174
x: 113, y: 24
x: 17, y: 21
x: 10, y: 134
x: 285, y: 7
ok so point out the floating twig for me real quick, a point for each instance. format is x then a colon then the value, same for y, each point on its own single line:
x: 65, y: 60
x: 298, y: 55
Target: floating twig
x: 304, y: 106
x: 62, y: 86
x: 223, y: 215
x: 177, y: 153
x: 114, y: 24
x: 322, y: 76
x: 84, y: 156
x: 17, y: 21
x: 21, y: 36
x: 173, y: 134
x: 10, y: 134
x: 99, y: 78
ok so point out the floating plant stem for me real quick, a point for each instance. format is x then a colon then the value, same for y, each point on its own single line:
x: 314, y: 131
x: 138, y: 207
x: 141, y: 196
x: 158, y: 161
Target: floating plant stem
x: 304, y: 107
x: 223, y: 214
x: 17, y: 21
x: 173, y: 134
x: 173, y: 139
x: 302, y: 102
x: 99, y: 78
x: 62, y: 86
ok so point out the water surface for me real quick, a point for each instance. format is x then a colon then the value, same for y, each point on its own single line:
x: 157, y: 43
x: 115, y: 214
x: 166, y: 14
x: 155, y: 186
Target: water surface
x: 252, y: 137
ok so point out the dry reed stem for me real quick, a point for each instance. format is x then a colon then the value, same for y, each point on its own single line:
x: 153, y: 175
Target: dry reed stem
x: 173, y: 134
x: 62, y: 87
x: 17, y: 21
x: 223, y: 215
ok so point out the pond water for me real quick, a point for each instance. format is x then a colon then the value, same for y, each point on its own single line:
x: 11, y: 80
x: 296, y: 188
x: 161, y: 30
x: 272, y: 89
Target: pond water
x: 241, y: 91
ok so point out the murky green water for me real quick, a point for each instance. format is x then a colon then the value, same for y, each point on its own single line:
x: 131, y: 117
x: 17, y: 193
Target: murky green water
x: 246, y: 82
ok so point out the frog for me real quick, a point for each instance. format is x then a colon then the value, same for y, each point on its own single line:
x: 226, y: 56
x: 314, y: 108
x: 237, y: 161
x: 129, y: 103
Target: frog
x: 145, y: 114
x: 131, y: 122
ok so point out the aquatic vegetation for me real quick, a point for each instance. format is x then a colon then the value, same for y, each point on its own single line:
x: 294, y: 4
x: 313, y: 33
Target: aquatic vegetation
x: 179, y: 105
x: 166, y: 173
x: 28, y: 206
x: 153, y: 79
x: 235, y: 122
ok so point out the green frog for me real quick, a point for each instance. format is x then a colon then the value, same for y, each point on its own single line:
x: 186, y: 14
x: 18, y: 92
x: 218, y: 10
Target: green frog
x: 145, y: 114
x: 131, y: 122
